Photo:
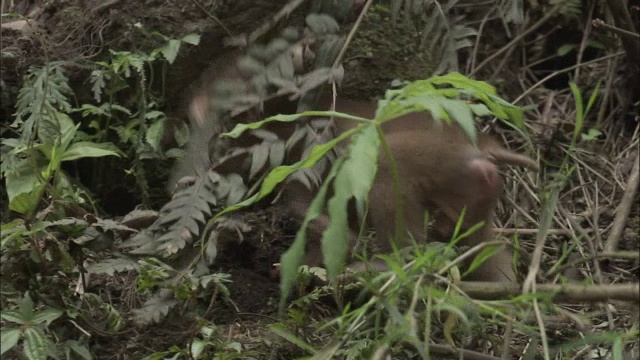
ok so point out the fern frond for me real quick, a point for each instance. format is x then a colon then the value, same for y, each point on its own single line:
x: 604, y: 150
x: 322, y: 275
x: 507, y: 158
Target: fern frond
x: 155, y: 308
x: 43, y: 94
x: 186, y: 213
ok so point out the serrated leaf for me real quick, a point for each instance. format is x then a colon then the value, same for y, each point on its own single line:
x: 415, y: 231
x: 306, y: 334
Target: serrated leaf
x: 112, y: 266
x: 170, y: 51
x: 155, y: 308
x: 36, y: 345
x: 98, y: 83
x: 191, y: 39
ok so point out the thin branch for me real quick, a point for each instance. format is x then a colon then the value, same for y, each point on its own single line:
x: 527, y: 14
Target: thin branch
x: 575, y: 293
x: 622, y: 213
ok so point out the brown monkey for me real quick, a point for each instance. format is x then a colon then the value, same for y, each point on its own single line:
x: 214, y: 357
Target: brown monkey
x: 439, y: 169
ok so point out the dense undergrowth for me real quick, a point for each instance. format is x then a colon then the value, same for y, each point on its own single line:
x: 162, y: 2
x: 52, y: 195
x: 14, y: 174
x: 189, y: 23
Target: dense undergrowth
x: 189, y: 278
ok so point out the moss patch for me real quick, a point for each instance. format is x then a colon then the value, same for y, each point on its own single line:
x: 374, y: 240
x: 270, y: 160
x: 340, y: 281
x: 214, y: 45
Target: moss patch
x: 382, y: 51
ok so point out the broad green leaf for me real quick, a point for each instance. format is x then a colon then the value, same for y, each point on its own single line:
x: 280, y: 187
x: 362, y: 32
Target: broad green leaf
x: 170, y: 51
x: 26, y: 307
x: 154, y: 114
x: 23, y: 179
x: 26, y: 202
x: 191, y: 39
x: 353, y: 179
x: 8, y: 339
x: 197, y: 347
x: 68, y: 130
x: 13, y: 316
x: 462, y: 114
x: 79, y: 348
x: 36, y: 344
x: 47, y: 316
x: 85, y: 149
x: 154, y: 134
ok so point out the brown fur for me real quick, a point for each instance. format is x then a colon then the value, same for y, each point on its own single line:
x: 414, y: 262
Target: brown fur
x: 439, y: 169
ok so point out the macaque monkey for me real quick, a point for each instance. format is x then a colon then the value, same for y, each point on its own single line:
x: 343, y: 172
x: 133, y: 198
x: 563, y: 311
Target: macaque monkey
x: 439, y: 169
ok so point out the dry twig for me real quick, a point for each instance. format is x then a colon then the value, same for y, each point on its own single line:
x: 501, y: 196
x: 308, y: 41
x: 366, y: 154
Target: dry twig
x: 622, y: 212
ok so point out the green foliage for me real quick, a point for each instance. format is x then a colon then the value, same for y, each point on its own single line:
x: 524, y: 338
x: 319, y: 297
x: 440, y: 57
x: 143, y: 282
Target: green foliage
x: 48, y: 137
x: 52, y: 232
x: 207, y: 345
x: 398, y: 313
x: 31, y: 328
